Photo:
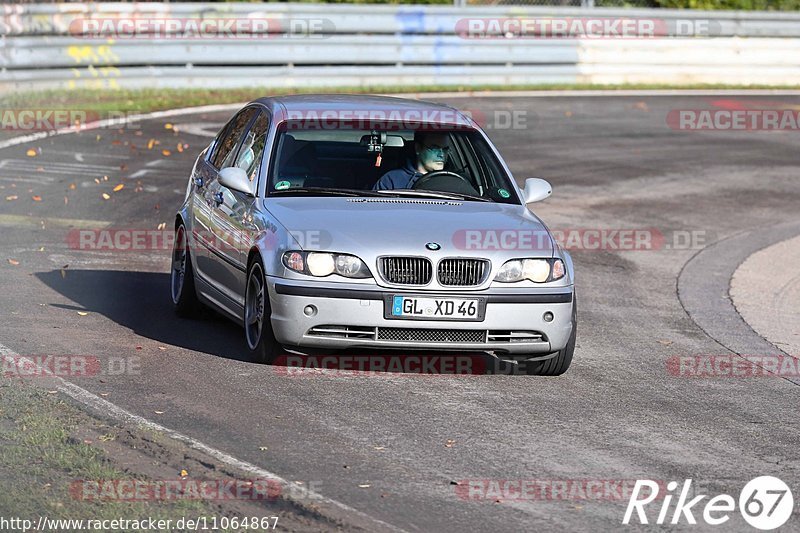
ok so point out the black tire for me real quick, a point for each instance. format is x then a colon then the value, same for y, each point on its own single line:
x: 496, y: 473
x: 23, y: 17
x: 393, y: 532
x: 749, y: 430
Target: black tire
x: 184, y: 295
x: 257, y: 312
x: 555, y: 366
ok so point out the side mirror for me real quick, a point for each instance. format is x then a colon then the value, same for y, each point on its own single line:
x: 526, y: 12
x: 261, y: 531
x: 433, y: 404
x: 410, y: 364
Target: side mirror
x: 236, y: 179
x: 536, y: 190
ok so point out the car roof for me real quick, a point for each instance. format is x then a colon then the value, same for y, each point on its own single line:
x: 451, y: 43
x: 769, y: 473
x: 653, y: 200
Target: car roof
x: 284, y: 107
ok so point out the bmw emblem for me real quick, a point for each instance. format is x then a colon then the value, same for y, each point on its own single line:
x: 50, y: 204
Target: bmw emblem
x: 433, y: 246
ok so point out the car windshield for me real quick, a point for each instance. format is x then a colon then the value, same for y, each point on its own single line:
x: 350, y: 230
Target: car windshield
x: 436, y: 163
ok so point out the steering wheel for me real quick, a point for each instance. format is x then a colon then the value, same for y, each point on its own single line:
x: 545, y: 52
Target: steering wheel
x: 445, y: 181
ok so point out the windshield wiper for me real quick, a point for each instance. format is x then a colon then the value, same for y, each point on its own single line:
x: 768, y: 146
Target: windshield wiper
x: 321, y: 191
x: 424, y: 193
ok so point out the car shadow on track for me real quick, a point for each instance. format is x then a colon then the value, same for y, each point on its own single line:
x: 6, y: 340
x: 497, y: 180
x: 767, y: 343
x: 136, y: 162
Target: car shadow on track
x: 140, y: 302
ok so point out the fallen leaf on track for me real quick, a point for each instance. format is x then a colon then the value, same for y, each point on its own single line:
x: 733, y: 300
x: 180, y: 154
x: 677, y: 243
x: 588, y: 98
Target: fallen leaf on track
x: 119, y: 187
x: 82, y: 313
x: 665, y: 343
x: 13, y: 262
x: 263, y: 448
x: 36, y: 198
x: 72, y: 186
x: 364, y: 486
x: 184, y: 473
x: 106, y: 196
x: 162, y: 226
x: 167, y: 126
x: 166, y: 153
x: 159, y: 412
x: 12, y: 197
x: 450, y: 443
x: 31, y: 152
x: 151, y: 143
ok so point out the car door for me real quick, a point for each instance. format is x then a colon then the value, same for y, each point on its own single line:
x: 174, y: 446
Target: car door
x: 232, y: 211
x: 222, y: 151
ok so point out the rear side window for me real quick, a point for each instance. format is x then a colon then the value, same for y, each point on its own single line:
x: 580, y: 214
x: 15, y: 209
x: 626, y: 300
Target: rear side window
x: 224, y: 150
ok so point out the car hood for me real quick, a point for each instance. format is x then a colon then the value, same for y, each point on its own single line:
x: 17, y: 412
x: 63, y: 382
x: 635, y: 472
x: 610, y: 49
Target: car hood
x: 405, y: 226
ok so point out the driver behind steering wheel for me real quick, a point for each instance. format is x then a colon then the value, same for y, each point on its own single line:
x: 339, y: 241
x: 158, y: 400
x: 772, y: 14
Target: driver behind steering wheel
x: 431, y: 150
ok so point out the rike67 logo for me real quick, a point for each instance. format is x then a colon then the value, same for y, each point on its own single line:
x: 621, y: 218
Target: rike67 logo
x: 765, y: 503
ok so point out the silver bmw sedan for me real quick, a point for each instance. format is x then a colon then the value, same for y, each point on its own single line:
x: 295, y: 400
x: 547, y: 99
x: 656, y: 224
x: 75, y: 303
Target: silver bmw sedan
x: 343, y: 221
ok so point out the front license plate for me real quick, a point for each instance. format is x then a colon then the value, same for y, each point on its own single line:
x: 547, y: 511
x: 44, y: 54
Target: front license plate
x: 435, y: 308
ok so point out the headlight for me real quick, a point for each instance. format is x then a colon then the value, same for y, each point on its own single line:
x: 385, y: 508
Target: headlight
x: 536, y: 270
x: 321, y: 264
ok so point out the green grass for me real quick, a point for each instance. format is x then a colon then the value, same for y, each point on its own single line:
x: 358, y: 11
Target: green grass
x: 134, y: 101
x: 39, y: 461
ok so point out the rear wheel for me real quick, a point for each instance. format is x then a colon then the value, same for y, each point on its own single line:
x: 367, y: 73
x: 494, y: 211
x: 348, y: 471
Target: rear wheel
x: 257, y: 312
x: 555, y: 366
x: 182, y: 288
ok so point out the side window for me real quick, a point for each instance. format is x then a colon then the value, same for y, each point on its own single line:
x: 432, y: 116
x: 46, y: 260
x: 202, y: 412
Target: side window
x: 223, y: 153
x: 252, y: 150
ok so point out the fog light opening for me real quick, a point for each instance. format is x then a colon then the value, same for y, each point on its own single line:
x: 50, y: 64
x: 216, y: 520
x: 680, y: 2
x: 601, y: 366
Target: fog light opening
x: 548, y: 316
x: 310, y: 310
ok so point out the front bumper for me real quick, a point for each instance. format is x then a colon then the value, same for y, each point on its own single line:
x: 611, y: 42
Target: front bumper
x: 352, y: 316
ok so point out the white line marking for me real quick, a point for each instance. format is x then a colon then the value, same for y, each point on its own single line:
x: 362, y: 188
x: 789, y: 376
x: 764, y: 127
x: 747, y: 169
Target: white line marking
x: 21, y: 164
x: 41, y: 180
x: 128, y: 120
x: 83, y: 155
x: 79, y: 157
x: 104, y: 406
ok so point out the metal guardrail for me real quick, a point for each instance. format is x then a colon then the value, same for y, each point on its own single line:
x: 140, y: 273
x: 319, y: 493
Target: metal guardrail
x: 43, y: 46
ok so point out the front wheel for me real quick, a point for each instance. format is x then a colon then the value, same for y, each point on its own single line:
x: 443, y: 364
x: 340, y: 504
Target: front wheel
x: 182, y: 288
x: 257, y: 312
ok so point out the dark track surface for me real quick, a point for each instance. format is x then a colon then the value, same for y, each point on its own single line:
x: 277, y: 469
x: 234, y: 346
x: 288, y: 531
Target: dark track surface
x: 617, y: 414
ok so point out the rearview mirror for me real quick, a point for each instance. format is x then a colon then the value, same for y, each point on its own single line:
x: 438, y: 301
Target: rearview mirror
x: 235, y: 178
x: 536, y: 189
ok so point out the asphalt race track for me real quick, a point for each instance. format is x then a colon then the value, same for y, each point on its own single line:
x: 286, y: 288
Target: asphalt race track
x: 402, y: 448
